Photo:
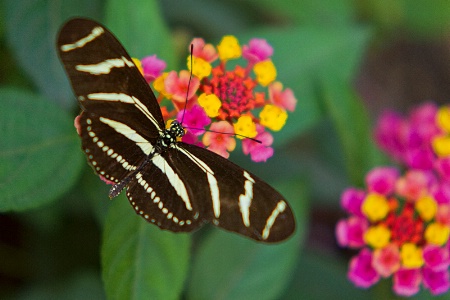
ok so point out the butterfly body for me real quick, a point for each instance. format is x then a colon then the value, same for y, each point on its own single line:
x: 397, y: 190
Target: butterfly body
x: 175, y: 185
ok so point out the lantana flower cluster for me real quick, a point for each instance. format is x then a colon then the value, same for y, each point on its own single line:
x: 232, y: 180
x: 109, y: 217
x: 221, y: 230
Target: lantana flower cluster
x: 419, y: 141
x: 401, y: 221
x: 225, y: 100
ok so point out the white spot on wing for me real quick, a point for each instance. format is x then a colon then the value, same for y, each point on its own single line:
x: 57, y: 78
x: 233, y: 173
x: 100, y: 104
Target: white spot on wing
x: 281, y: 206
x: 124, y: 98
x: 156, y: 200
x: 129, y: 133
x: 245, y: 200
x: 105, y: 66
x: 213, y: 186
x: 97, y: 31
x: 173, y: 178
x: 110, y: 153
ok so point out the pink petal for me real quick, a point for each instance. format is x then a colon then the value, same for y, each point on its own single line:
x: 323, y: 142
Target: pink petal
x: 284, y: 99
x: 388, y: 133
x: 351, y: 201
x: 441, y: 192
x: 350, y: 232
x: 443, y: 215
x: 204, y: 51
x: 361, y: 272
x: 436, y: 258
x: 257, y: 50
x: 386, y: 260
x: 107, y: 181
x: 259, y: 151
x: 407, y: 282
x: 152, y: 67
x: 420, y: 158
x: 178, y: 86
x: 191, y: 139
x: 262, y: 154
x: 442, y: 166
x: 382, y: 180
x: 77, y: 124
x: 219, y: 139
x: 436, y: 281
x: 413, y: 185
x: 193, y: 119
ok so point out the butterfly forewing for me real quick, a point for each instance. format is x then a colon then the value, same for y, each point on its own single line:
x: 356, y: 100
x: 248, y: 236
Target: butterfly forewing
x: 120, y: 114
x: 175, y: 186
x: 105, y: 79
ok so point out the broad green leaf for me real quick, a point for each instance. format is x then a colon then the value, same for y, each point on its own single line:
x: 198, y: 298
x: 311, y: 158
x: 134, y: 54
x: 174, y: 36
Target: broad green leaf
x: 139, y: 260
x: 301, y: 56
x: 353, y: 127
x: 140, y: 28
x: 228, y: 266
x: 320, y: 276
x: 32, y: 27
x: 40, y: 155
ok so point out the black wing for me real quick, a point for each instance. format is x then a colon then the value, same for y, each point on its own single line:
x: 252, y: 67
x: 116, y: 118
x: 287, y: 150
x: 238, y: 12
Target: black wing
x: 116, y: 100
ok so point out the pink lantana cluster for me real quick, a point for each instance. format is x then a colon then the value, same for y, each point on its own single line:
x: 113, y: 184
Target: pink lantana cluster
x: 402, y: 226
x: 401, y: 222
x: 411, y: 140
x: 224, y: 103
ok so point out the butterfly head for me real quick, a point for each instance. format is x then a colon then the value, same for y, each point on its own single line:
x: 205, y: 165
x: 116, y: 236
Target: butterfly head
x: 169, y: 136
x: 176, y: 128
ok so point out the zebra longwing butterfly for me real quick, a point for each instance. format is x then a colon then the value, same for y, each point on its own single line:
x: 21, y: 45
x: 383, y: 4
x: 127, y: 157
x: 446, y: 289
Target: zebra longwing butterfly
x: 175, y: 185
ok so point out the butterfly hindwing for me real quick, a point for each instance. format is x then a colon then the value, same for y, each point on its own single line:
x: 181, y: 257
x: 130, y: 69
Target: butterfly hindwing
x: 231, y: 197
x: 162, y: 195
x: 111, y: 157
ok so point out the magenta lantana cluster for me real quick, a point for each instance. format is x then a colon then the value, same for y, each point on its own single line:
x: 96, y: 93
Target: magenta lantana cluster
x: 224, y: 102
x: 400, y: 222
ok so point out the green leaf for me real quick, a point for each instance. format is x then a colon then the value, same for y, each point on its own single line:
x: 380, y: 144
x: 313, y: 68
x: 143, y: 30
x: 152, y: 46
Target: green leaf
x: 302, y: 55
x: 353, y: 126
x: 40, y: 155
x: 32, y: 27
x: 323, y: 277
x: 228, y: 266
x: 140, y: 28
x: 139, y: 260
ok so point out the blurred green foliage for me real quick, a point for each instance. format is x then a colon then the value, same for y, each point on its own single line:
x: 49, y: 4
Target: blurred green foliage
x: 60, y: 238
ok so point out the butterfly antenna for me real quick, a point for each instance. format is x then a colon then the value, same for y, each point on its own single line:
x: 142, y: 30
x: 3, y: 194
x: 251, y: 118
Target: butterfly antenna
x: 229, y: 133
x: 188, y: 87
